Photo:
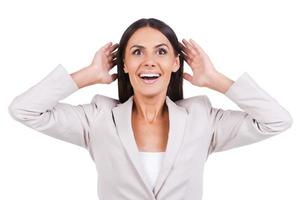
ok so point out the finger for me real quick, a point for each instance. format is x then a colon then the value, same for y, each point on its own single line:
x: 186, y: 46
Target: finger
x: 107, y: 45
x: 190, y: 49
x: 188, y: 61
x: 109, y: 57
x: 114, y: 47
x: 105, y: 48
x: 187, y: 77
x: 114, y: 54
x: 193, y: 43
x: 114, y: 77
x: 110, y: 49
x: 186, y: 56
x: 184, y: 48
x: 112, y: 58
x: 187, y: 44
x: 197, y: 46
x: 114, y: 63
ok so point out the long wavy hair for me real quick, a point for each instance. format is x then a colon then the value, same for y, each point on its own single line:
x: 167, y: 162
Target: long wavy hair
x: 125, y: 89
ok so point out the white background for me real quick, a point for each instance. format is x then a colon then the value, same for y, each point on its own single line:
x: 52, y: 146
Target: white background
x: 259, y: 37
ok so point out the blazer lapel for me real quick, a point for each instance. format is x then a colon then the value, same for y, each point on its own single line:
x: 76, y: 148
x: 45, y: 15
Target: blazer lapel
x: 177, y: 120
x: 122, y: 116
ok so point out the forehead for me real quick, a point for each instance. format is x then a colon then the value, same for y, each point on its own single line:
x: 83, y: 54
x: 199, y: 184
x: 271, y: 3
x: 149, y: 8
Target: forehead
x: 148, y: 36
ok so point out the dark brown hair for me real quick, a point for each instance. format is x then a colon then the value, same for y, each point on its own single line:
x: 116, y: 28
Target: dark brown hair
x: 174, y: 91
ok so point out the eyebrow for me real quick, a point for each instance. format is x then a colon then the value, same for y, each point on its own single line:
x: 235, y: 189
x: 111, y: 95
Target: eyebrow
x: 142, y: 47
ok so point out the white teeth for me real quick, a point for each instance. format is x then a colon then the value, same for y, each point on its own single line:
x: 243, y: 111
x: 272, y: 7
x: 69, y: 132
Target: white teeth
x: 149, y: 75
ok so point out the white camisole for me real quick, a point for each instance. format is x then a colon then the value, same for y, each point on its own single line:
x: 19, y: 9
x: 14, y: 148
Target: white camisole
x: 152, y: 163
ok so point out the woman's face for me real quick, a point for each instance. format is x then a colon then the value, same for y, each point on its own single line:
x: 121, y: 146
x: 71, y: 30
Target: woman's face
x: 150, y: 54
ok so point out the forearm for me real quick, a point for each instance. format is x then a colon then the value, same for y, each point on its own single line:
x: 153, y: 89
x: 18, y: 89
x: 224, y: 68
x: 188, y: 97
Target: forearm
x: 263, y: 110
x: 84, y: 77
x: 260, y: 117
x: 219, y: 82
x: 44, y: 95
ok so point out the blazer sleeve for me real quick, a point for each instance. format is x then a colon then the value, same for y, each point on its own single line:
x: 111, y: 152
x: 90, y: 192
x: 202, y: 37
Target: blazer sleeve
x: 39, y: 108
x: 261, y: 117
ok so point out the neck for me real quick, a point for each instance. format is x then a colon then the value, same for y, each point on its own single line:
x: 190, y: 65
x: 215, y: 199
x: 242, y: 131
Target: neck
x: 149, y: 109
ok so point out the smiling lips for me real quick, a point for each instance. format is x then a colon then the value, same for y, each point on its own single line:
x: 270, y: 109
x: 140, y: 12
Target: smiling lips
x: 149, y: 78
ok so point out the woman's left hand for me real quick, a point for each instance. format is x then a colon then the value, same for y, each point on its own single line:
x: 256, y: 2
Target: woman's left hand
x: 197, y: 59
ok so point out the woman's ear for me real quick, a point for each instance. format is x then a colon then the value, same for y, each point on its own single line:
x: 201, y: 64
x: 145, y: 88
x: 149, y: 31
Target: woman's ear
x: 176, y: 65
x: 125, y: 68
x: 176, y: 69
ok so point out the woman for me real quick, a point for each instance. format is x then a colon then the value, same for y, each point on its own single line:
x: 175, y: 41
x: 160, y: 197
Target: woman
x: 151, y: 143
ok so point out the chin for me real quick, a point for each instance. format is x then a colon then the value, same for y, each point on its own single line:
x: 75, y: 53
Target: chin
x: 149, y: 93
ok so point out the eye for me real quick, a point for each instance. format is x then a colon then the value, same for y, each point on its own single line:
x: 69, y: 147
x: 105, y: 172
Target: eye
x: 136, y: 52
x: 162, y: 51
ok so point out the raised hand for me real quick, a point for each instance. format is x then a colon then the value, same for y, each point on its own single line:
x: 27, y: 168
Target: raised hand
x: 204, y: 73
x: 199, y: 62
x: 103, y: 61
x: 98, y: 71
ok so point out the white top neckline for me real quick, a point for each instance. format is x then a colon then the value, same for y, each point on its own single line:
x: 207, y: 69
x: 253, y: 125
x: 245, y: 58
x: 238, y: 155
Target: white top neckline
x: 152, y: 163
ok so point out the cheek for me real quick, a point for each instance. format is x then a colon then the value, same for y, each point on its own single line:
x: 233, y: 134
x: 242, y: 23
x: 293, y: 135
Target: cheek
x: 168, y: 66
x: 131, y: 63
x: 168, y: 62
x: 130, y: 67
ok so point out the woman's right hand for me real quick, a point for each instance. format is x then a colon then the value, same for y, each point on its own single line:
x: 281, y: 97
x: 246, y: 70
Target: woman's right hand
x: 103, y: 61
x: 98, y: 71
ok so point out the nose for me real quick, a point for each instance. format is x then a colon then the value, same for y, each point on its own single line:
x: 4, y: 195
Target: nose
x: 149, y: 61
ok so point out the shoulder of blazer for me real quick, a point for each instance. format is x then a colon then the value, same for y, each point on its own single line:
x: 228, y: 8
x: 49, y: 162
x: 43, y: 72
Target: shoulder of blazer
x: 105, y: 102
x: 196, y: 106
x: 200, y: 100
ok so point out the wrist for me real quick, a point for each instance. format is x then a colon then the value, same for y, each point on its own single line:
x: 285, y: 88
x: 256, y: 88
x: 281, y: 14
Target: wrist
x: 85, y: 77
x: 219, y: 82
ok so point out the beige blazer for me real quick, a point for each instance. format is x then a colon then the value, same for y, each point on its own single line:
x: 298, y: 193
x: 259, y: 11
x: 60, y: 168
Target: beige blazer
x: 103, y: 127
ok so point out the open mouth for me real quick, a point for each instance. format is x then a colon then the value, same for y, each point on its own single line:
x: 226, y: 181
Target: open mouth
x: 149, y: 78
